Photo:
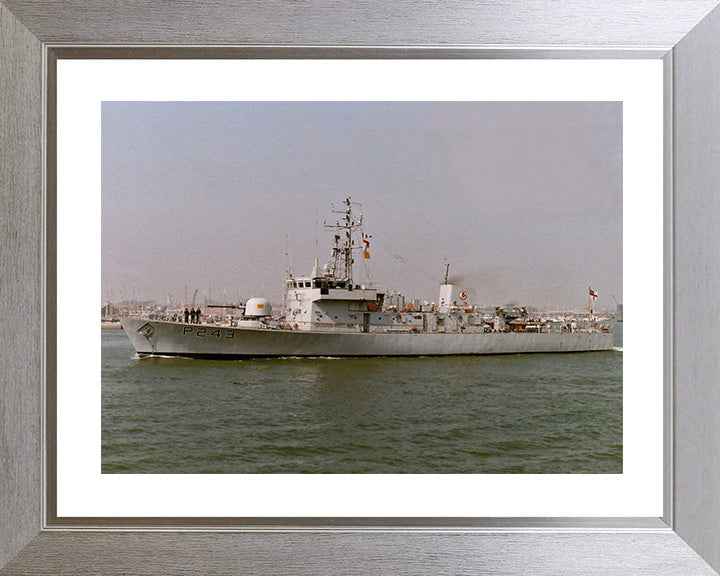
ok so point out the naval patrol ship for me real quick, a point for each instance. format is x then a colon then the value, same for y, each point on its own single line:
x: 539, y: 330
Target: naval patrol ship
x: 328, y: 314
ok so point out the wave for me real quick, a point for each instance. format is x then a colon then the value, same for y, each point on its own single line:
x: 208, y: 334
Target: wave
x: 618, y: 348
x: 305, y: 357
x: 152, y: 356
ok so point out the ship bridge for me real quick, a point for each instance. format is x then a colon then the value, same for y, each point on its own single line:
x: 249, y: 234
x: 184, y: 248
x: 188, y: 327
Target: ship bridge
x: 313, y: 303
x: 328, y: 299
x: 321, y: 288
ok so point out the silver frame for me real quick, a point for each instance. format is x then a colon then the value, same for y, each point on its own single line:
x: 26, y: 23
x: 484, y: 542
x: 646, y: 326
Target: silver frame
x: 684, y: 33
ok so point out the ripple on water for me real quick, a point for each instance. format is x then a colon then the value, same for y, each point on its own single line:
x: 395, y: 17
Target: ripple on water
x: 542, y: 413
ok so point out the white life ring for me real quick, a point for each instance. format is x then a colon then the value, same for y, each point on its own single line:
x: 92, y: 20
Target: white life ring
x: 463, y: 295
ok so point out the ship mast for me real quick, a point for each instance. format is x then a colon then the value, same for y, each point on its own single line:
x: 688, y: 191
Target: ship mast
x: 342, y: 250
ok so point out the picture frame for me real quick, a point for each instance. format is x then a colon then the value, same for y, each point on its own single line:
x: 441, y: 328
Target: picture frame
x: 685, y: 35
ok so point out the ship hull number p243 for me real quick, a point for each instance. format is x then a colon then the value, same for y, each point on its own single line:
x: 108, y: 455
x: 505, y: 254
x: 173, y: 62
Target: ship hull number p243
x: 208, y: 333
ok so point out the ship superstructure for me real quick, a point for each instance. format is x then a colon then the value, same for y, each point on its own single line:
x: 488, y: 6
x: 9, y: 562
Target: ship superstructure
x: 328, y: 299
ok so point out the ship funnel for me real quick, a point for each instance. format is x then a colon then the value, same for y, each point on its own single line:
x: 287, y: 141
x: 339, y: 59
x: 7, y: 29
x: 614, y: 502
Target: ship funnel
x: 445, y: 300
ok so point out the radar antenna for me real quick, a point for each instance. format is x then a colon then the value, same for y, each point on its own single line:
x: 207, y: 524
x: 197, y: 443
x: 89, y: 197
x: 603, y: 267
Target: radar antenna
x: 342, y: 252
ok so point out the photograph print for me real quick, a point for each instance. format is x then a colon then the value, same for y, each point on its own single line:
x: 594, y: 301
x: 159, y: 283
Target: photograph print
x: 362, y: 287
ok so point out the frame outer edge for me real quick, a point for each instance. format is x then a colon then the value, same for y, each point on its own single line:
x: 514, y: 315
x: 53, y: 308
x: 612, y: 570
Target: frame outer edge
x: 696, y: 112
x: 306, y: 554
x: 653, y: 23
x: 20, y: 169
x: 20, y: 285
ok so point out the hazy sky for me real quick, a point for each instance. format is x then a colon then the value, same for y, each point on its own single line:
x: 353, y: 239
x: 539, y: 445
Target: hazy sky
x: 523, y: 199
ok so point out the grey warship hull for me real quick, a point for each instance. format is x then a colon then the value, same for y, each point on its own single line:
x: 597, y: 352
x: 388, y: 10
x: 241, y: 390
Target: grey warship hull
x: 163, y: 338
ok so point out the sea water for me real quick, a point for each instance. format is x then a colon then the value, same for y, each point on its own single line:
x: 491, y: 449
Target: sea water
x: 520, y: 413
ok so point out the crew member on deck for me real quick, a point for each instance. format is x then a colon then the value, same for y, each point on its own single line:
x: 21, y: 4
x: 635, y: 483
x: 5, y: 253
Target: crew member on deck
x: 186, y: 314
x: 192, y: 315
x: 197, y: 316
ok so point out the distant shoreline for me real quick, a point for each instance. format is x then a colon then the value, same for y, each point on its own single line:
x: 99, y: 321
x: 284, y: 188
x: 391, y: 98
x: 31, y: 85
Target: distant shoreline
x: 110, y: 326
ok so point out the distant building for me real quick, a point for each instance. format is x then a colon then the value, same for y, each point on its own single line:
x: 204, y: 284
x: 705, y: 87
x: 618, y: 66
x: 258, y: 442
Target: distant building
x: 109, y: 310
